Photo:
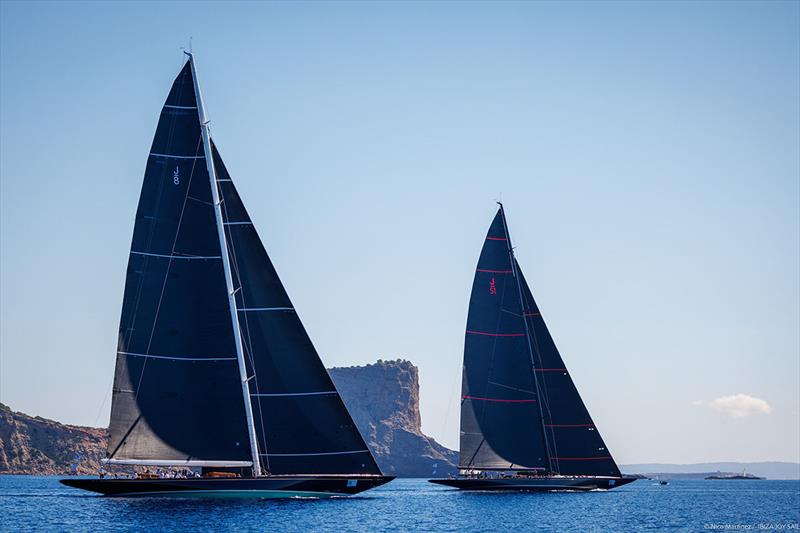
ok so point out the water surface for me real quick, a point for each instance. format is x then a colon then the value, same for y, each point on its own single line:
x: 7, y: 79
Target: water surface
x: 30, y: 503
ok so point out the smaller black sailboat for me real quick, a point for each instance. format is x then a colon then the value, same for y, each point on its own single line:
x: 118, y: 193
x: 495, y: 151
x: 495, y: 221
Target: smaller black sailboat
x: 217, y: 385
x: 523, y: 423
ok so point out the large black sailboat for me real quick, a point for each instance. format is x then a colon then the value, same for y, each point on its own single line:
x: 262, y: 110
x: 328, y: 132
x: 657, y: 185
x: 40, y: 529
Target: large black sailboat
x: 215, y: 374
x: 523, y: 423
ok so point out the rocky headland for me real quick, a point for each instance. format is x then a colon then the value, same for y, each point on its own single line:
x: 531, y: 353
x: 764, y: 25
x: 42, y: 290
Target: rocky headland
x: 382, y: 397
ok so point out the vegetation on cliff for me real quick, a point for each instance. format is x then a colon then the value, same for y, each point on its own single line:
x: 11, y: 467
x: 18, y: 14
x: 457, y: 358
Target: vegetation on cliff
x: 35, y: 445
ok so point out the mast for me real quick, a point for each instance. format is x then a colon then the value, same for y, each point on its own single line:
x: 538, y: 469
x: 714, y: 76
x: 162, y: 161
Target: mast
x: 237, y: 334
x: 527, y: 337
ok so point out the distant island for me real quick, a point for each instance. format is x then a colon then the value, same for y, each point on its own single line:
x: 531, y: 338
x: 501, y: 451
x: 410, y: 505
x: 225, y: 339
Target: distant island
x: 724, y: 475
x: 762, y: 470
x: 383, y: 398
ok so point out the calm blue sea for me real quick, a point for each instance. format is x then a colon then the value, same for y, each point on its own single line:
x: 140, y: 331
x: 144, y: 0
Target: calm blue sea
x: 41, y: 504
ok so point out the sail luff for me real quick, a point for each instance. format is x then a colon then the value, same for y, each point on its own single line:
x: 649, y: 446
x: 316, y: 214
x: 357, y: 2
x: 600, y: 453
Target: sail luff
x: 500, y: 426
x: 175, y: 375
x: 206, y: 134
x: 515, y: 274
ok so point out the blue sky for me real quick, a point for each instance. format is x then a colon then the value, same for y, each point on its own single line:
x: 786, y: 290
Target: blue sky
x: 647, y: 154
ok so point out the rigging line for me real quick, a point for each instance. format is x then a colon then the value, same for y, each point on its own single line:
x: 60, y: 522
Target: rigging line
x: 149, y: 240
x: 200, y: 201
x: 249, y: 345
x: 166, y: 272
x: 152, y: 229
x: 516, y: 276
x: 105, y: 399
x: 472, y: 459
x: 450, y: 400
x: 484, y: 406
x: 512, y: 388
x: 538, y: 354
x: 125, y: 436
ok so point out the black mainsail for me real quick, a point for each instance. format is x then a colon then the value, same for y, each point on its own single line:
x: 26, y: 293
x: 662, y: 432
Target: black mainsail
x: 214, y: 367
x: 520, y: 409
x: 176, y: 394
x: 500, y: 413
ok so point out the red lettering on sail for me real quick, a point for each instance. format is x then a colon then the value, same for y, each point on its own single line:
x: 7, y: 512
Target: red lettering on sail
x: 492, y: 287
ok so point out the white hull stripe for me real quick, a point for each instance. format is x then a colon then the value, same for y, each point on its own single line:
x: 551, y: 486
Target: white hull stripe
x: 178, y: 156
x: 312, y: 454
x: 254, y: 309
x: 177, y: 256
x: 178, y: 358
x: 180, y: 106
x: 296, y: 394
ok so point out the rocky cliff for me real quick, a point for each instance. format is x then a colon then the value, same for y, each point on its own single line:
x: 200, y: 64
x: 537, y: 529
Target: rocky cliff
x: 383, y: 399
x: 34, y: 445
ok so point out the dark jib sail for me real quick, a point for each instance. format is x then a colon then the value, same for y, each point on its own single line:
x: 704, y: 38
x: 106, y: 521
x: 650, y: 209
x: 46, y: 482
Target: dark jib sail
x: 520, y: 408
x: 574, y: 441
x: 301, y: 421
x: 177, y: 394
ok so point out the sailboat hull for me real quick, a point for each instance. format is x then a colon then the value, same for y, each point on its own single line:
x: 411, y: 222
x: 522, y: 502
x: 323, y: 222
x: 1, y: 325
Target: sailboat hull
x: 263, y: 487
x: 542, y: 484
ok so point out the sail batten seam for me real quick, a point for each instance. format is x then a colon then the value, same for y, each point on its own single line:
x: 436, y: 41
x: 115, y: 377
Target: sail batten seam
x: 280, y: 394
x: 314, y: 454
